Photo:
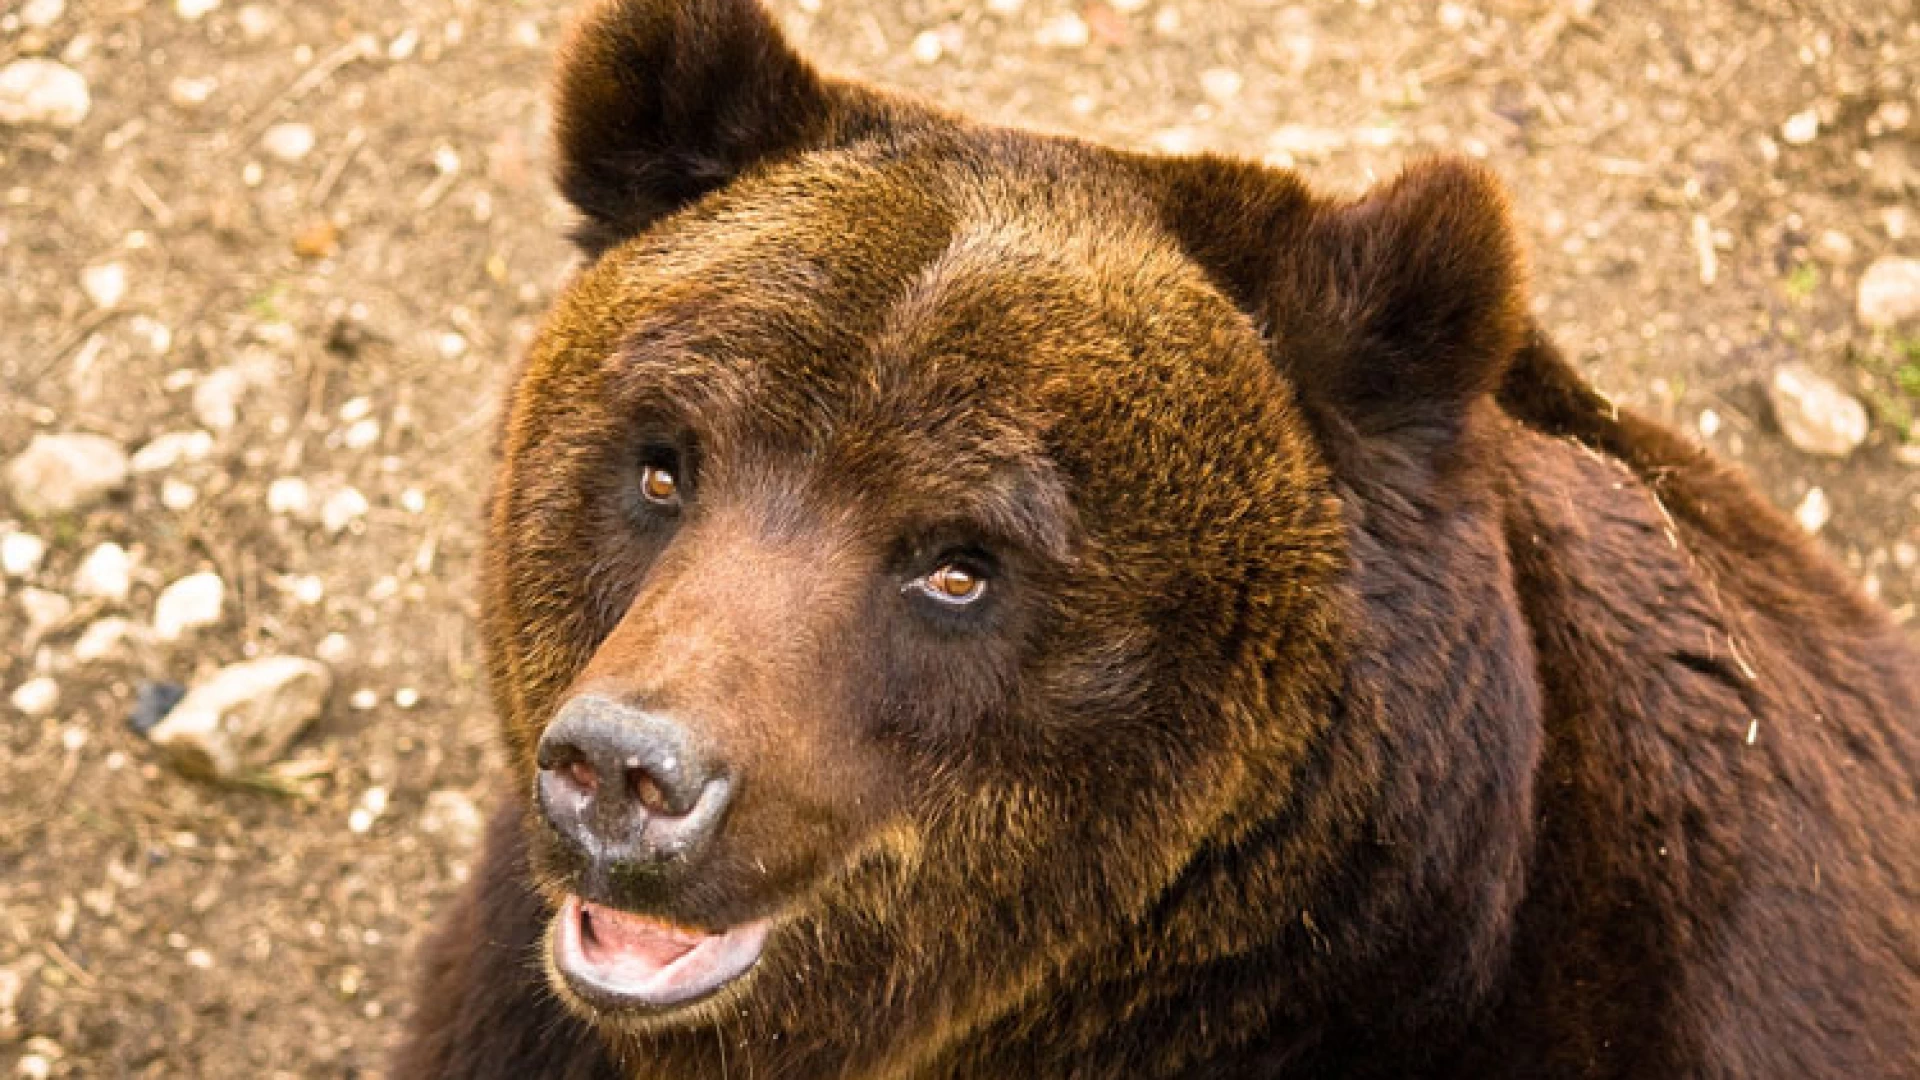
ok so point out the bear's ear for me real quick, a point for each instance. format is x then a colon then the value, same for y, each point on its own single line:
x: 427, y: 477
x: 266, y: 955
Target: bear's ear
x: 661, y: 101
x: 1392, y: 313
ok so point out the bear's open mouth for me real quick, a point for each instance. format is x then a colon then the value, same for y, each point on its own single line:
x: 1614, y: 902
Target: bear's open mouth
x: 617, y: 960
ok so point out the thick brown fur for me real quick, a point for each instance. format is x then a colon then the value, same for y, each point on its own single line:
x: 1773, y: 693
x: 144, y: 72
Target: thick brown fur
x: 1357, y: 692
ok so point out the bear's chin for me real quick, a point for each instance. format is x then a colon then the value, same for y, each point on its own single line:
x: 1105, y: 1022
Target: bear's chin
x: 639, y: 972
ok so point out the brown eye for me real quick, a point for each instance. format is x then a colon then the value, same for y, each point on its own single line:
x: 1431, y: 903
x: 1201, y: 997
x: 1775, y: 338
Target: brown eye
x: 659, y: 485
x: 953, y: 584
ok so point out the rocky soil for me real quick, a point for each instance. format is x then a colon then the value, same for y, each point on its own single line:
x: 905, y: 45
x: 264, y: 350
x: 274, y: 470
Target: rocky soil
x: 267, y: 265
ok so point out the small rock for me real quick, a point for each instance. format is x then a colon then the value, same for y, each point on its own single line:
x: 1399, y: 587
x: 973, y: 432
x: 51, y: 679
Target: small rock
x: 1066, y: 31
x: 40, y: 14
x: 44, y: 610
x: 1709, y: 423
x: 216, y: 398
x: 1814, y: 511
x: 1221, y: 84
x: 320, y: 240
x: 188, y: 92
x: 1890, y: 292
x: 927, y: 48
x: 403, y: 45
x: 256, y: 21
x: 1801, y: 128
x: 288, y: 142
x: 334, y: 648
x: 102, y: 639
x: 192, y: 602
x: 243, y: 719
x: 42, y: 93
x: 451, y: 814
x: 105, y: 574
x: 21, y: 553
x: 58, y: 474
x: 373, y: 803
x: 172, y: 448
x: 406, y: 697
x: 290, y: 495
x: 361, y: 434
x: 364, y: 699
x: 178, y: 494
x: 152, y: 701
x: 1814, y: 413
x: 105, y: 285
x: 450, y: 346
x: 35, y: 697
x: 342, y: 509
x: 194, y: 10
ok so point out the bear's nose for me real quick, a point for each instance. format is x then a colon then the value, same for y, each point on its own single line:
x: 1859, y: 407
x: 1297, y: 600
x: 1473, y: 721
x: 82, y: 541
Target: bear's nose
x: 625, y: 785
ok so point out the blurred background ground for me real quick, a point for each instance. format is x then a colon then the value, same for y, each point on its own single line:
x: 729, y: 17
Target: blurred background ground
x: 301, y: 243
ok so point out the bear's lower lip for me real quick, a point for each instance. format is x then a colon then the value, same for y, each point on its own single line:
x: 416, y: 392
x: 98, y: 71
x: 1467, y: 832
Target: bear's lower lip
x: 617, y: 960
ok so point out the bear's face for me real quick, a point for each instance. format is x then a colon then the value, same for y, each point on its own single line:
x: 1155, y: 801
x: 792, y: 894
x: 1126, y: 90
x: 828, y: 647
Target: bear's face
x: 908, y: 554
x: 929, y: 518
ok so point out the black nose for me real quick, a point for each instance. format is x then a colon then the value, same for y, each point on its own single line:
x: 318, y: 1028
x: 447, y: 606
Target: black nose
x: 625, y: 785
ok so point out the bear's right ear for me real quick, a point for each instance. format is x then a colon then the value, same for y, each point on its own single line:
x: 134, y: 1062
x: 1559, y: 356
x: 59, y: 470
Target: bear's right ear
x: 661, y: 101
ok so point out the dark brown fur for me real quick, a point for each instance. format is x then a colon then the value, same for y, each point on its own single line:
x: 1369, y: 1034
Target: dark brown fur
x: 1362, y: 694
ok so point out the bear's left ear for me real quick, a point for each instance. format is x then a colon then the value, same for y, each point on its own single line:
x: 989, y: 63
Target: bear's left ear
x: 1393, y: 312
x: 661, y: 101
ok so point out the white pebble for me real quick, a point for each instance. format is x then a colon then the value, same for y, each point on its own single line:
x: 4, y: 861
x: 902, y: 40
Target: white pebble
x: 1709, y: 423
x: 199, y: 958
x: 403, y: 44
x: 40, y: 14
x: 288, y: 142
x: 102, y: 639
x: 178, y: 495
x: 45, y: 93
x: 413, y: 501
x: 342, y: 509
x: 189, y: 92
x: 194, y: 10
x: 173, y: 448
x: 44, y: 610
x: 191, y: 602
x: 1067, y: 31
x: 361, y: 435
x: 406, y: 697
x: 1221, y: 84
x: 1889, y: 292
x: 256, y: 21
x: 364, y: 699
x: 451, y: 346
x: 1005, y: 7
x: 35, y: 1066
x: 1801, y: 128
x: 289, y: 495
x: 926, y: 47
x: 307, y: 589
x: 1814, y: 413
x: 21, y: 554
x: 356, y: 408
x: 62, y: 473
x: 334, y: 648
x: 1814, y: 511
x: 105, y: 285
x: 105, y: 574
x: 36, y: 697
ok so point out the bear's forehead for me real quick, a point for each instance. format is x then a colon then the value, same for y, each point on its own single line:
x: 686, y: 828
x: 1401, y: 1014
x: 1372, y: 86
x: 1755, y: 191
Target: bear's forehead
x: 929, y: 281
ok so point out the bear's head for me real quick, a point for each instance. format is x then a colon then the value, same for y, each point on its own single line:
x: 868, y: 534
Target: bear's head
x: 922, y: 563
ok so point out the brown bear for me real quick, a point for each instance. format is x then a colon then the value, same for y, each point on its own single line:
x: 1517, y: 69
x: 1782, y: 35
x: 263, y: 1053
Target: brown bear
x: 966, y: 603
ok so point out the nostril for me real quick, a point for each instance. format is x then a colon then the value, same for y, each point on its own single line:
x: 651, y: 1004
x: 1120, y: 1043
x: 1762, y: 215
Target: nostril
x: 583, y: 776
x: 649, y: 793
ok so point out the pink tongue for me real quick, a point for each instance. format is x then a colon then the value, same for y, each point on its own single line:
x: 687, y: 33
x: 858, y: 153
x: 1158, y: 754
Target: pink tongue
x: 630, y: 945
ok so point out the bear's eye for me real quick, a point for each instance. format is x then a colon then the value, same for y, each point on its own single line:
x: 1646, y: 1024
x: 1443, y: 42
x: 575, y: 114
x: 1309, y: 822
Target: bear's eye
x: 660, y: 484
x: 952, y: 583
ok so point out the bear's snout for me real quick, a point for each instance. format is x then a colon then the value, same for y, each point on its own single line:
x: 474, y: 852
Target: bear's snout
x: 625, y: 786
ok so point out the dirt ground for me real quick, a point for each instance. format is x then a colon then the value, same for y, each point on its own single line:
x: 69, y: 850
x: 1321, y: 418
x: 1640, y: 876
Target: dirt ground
x: 372, y: 286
